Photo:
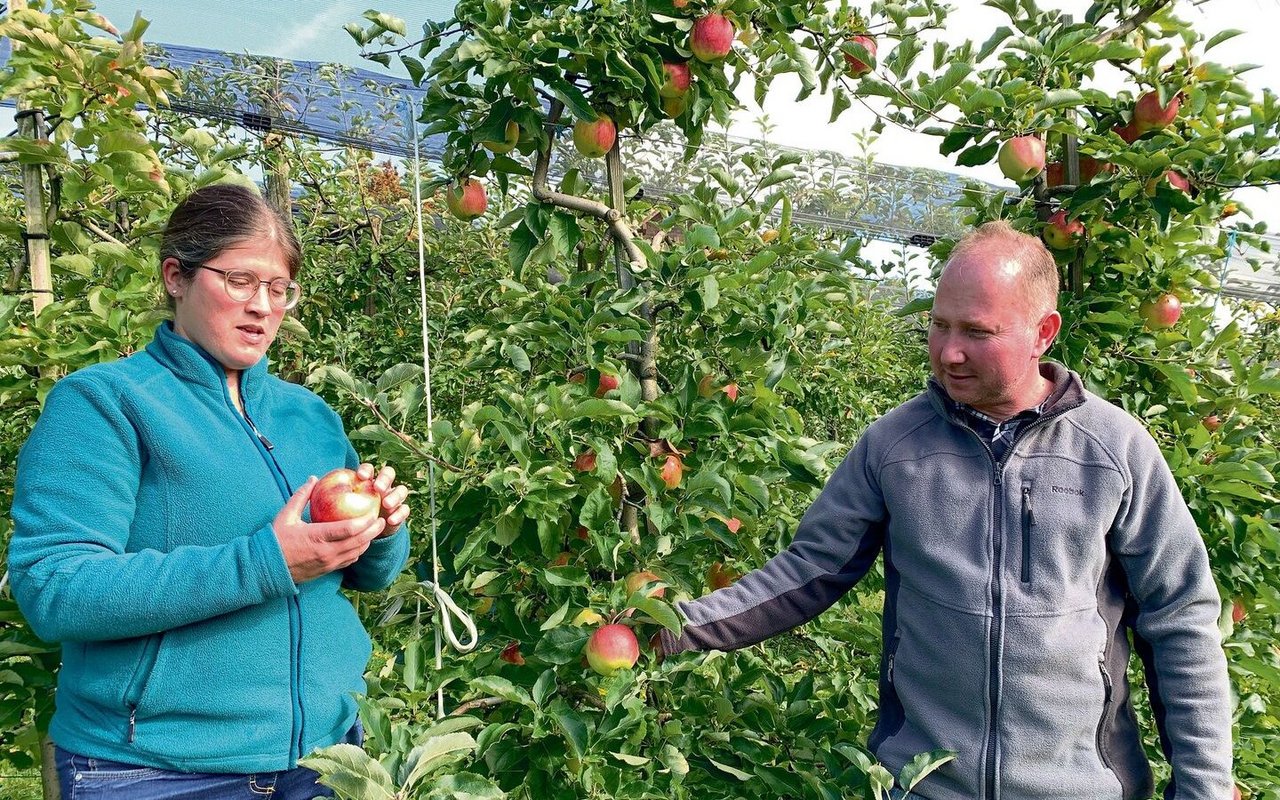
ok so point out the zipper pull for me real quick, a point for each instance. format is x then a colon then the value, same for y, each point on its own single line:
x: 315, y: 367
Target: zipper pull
x: 892, y: 656
x: 1106, y: 679
x: 1026, y: 503
x: 133, y: 722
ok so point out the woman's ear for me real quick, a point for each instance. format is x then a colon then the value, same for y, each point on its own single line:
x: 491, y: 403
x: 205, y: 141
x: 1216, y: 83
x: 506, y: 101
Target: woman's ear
x: 171, y: 272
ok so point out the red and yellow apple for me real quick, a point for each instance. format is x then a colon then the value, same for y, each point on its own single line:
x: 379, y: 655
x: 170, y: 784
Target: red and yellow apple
x: 711, y: 38
x: 672, y: 471
x: 466, y: 200
x: 611, y: 648
x: 641, y: 578
x: 1021, y: 158
x: 608, y: 382
x: 585, y: 461
x: 595, y: 138
x: 342, y: 494
x: 719, y: 576
x: 511, y: 137
x: 676, y: 80
x: 1161, y: 313
x: 1061, y: 233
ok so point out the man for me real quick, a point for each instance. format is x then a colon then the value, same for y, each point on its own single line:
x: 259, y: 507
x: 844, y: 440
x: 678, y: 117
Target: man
x: 1027, y: 525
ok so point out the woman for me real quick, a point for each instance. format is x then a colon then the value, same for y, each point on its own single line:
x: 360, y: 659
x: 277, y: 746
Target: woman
x: 160, y: 535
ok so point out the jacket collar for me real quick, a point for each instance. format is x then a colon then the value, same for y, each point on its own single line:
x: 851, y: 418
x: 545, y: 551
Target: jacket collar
x: 192, y: 363
x: 1068, y: 392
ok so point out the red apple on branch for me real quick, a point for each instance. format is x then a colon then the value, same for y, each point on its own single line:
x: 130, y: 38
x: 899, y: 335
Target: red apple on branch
x: 711, y: 38
x: 1211, y: 422
x: 858, y: 67
x: 611, y: 648
x: 1161, y: 313
x: 1021, y: 158
x: 1149, y: 115
x: 608, y: 383
x: 1127, y: 132
x: 342, y: 494
x: 595, y: 138
x: 1238, y: 611
x: 720, y: 576
x: 1061, y: 233
x: 672, y: 471
x: 466, y: 200
x: 676, y: 80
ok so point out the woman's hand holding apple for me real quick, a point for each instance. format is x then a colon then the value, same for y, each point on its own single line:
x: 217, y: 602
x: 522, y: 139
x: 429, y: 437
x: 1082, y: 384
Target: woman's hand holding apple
x: 312, y: 549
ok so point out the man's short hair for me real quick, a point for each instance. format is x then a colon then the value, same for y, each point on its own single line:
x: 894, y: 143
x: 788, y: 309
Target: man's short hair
x: 1039, y: 270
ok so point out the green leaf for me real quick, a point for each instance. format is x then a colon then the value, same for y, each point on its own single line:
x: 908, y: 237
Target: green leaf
x: 574, y: 729
x: 978, y: 154
x: 702, y: 236
x: 597, y: 408
x: 918, y: 768
x: 728, y: 770
x: 465, y: 786
x: 562, y: 645
x: 573, y: 98
x: 1220, y: 37
x: 660, y: 612
x: 521, y: 245
x: 501, y: 687
x: 517, y: 356
x: 1059, y: 98
x: 348, y: 769
x: 434, y: 753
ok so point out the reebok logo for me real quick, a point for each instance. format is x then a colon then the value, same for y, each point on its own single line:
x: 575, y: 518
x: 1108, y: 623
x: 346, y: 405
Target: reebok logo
x: 1068, y: 490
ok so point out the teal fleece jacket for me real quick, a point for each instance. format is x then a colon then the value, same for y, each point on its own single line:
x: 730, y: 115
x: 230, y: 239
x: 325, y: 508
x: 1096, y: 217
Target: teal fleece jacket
x: 143, y: 543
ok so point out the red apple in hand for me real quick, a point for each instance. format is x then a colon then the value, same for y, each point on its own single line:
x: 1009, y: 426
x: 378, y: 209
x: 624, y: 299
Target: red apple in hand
x: 611, y: 648
x: 342, y: 494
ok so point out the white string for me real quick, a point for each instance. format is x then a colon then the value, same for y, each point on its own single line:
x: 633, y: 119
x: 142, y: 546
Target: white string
x: 445, y: 607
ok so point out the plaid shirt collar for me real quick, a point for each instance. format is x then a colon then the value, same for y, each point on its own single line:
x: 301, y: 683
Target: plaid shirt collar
x: 999, y: 434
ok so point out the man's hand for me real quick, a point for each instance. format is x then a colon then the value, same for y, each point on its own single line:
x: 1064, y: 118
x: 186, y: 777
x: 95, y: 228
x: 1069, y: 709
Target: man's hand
x: 314, y: 549
x: 394, y: 510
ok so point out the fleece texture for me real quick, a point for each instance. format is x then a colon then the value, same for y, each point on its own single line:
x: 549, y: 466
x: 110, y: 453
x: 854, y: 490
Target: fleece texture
x: 143, y: 543
x: 1012, y: 589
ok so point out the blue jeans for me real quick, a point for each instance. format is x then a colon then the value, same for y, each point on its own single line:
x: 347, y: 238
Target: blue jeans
x: 84, y: 778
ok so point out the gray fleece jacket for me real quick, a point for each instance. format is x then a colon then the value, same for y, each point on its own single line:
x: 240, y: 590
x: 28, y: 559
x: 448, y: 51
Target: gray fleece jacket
x: 1012, y: 589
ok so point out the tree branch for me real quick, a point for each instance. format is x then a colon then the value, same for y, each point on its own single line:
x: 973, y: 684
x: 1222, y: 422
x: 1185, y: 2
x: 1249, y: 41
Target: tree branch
x: 1130, y: 25
x: 610, y: 216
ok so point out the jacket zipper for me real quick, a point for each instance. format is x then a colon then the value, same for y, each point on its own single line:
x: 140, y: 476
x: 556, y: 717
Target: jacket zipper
x: 295, y: 608
x: 997, y: 595
x: 1028, y: 520
x: 141, y: 677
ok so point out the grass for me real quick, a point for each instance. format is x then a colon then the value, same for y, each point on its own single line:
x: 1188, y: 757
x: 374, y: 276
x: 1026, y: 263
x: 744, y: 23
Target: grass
x: 16, y: 784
